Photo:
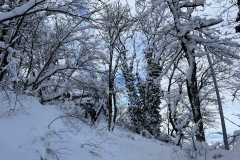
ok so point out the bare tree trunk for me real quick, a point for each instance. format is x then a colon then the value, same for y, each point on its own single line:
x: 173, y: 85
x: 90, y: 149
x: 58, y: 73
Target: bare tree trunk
x: 110, y: 106
x: 3, y: 64
x: 110, y: 90
x: 4, y: 55
x: 237, y: 28
x: 193, y: 96
x: 115, y: 111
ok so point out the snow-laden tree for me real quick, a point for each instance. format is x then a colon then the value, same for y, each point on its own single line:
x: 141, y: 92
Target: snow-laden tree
x: 192, y: 35
x: 144, y: 85
x: 113, y: 22
x: 178, y: 46
x: 57, y: 55
x: 44, y: 44
x: 17, y: 19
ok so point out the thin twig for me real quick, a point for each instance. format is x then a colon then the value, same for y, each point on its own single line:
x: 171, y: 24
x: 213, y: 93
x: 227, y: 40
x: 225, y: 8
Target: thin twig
x: 232, y: 122
x: 66, y: 116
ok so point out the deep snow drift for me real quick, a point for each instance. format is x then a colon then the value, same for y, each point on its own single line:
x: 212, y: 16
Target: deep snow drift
x: 32, y: 131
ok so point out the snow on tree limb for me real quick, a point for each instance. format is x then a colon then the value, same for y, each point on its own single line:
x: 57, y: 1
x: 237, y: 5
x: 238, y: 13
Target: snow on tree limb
x: 19, y: 11
x: 5, y: 46
x: 196, y: 3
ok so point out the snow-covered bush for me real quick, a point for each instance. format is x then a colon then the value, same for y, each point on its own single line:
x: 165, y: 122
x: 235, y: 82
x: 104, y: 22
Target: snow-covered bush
x: 70, y: 108
x: 234, y: 138
x: 196, y: 148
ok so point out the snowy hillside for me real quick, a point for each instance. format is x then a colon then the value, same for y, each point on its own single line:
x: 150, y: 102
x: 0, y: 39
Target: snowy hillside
x: 34, y: 132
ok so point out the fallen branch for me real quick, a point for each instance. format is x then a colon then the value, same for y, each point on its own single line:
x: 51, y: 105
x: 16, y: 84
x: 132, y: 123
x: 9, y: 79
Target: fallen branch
x: 67, y: 116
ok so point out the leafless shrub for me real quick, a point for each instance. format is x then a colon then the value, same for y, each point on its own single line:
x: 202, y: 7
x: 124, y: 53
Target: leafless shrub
x: 94, y: 147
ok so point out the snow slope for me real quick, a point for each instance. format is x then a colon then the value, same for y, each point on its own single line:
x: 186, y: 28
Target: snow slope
x: 234, y: 154
x: 25, y: 134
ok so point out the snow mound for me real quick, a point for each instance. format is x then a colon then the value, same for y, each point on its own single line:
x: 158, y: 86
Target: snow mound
x: 233, y: 154
x: 31, y: 131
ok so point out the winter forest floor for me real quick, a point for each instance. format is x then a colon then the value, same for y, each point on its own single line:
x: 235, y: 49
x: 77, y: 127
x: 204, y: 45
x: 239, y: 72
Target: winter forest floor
x: 32, y: 131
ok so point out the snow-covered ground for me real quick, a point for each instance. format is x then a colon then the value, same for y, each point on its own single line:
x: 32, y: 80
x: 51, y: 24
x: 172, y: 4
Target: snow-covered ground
x: 34, y: 132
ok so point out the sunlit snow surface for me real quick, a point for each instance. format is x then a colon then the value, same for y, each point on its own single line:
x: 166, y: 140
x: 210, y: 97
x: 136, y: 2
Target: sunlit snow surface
x: 25, y: 134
